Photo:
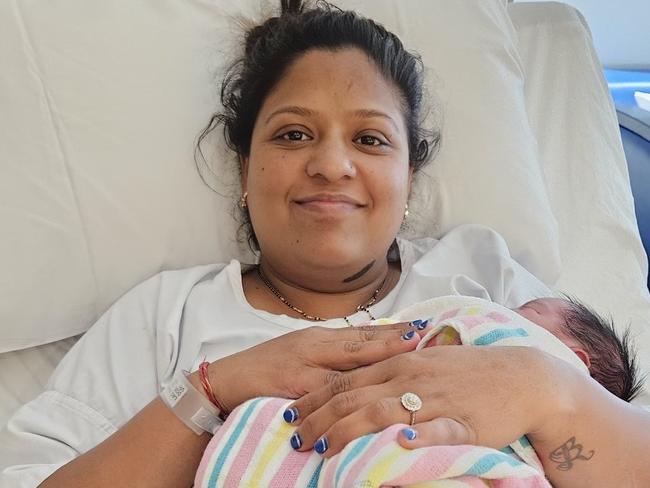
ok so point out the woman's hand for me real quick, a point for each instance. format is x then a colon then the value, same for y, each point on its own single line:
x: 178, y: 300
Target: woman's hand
x: 294, y: 364
x: 486, y: 396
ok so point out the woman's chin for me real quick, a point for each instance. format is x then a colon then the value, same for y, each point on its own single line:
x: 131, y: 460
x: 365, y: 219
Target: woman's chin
x: 343, y: 254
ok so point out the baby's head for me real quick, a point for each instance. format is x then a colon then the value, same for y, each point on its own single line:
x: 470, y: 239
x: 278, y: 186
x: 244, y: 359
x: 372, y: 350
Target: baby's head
x: 610, y: 358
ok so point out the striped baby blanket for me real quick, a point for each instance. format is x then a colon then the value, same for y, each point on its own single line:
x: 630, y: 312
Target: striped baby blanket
x: 252, y: 448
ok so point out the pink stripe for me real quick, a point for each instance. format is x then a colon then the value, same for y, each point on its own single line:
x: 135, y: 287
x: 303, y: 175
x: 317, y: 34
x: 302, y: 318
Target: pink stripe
x: 498, y: 317
x: 475, y: 482
x: 382, y: 439
x: 537, y: 481
x: 471, y: 322
x: 255, y: 429
x: 206, y: 460
x: 434, y: 462
x: 448, y: 315
x: 291, y: 468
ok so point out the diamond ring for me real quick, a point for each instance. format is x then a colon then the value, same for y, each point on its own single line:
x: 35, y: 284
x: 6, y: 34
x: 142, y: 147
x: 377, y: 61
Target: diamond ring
x: 412, y: 403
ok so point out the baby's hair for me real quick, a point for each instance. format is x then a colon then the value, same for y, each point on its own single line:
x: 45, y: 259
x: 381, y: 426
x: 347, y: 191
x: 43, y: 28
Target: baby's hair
x: 613, y: 361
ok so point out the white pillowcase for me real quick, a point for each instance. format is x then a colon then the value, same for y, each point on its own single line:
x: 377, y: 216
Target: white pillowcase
x: 487, y: 170
x: 571, y: 112
x: 102, y: 102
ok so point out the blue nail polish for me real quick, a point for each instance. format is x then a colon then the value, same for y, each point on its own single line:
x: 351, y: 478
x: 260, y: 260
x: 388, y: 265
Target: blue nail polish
x: 408, y: 335
x: 422, y: 325
x: 321, y: 445
x: 290, y: 415
x: 409, y: 433
x: 296, y: 441
x: 417, y: 322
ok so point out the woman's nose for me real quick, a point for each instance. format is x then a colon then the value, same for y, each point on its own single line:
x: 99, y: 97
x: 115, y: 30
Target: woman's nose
x: 331, y: 161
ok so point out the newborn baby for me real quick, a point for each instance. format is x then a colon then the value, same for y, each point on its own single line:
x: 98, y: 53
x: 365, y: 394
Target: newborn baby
x: 254, y: 446
x: 609, y: 358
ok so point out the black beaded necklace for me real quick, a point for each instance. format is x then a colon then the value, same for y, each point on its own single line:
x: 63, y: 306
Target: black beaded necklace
x: 364, y: 307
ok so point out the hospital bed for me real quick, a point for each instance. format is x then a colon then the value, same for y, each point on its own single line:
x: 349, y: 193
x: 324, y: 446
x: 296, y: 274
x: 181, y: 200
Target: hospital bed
x: 101, y: 103
x: 626, y: 87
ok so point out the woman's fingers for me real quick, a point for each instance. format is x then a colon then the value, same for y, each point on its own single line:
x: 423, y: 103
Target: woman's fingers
x: 306, y: 360
x: 326, y: 374
x: 312, y: 425
x: 371, y: 345
x: 442, y: 431
x: 373, y: 417
x: 454, y: 383
x: 340, y: 393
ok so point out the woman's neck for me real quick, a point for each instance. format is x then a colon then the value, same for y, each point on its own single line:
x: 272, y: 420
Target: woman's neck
x: 323, y: 296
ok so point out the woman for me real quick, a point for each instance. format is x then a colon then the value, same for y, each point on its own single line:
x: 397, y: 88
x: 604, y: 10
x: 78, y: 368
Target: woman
x: 323, y: 112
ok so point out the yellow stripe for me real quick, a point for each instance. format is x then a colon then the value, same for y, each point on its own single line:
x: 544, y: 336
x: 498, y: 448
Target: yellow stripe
x: 282, y: 435
x: 450, y: 336
x: 377, y: 475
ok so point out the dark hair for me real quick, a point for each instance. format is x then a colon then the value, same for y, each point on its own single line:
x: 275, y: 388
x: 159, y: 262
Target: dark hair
x: 271, y: 48
x: 613, y: 363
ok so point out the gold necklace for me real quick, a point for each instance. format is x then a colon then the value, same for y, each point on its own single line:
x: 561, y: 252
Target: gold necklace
x: 316, y: 318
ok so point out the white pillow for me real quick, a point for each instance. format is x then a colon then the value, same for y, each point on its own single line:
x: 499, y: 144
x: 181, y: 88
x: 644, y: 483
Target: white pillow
x: 571, y: 112
x: 102, y: 102
x: 487, y: 170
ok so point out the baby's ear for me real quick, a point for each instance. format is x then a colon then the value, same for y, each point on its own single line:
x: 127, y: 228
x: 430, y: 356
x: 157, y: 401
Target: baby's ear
x: 582, y: 354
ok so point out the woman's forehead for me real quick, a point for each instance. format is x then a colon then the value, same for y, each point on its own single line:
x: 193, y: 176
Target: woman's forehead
x: 344, y: 80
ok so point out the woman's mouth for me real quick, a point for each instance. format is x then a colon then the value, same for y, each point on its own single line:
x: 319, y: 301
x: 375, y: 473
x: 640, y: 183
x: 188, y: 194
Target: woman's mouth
x: 329, y: 203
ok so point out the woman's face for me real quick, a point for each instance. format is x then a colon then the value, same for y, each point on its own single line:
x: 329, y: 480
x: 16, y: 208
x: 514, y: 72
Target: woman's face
x: 328, y: 174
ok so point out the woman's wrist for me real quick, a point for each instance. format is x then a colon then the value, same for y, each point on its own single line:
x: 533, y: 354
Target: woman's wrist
x: 218, y: 373
x: 558, y: 397
x: 591, y: 438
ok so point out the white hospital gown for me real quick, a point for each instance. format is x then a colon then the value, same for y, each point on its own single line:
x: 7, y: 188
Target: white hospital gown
x: 177, y: 319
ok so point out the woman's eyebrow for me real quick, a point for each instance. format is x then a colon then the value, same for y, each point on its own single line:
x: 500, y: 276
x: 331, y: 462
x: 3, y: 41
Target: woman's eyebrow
x: 368, y: 113
x: 291, y: 109
x: 306, y: 112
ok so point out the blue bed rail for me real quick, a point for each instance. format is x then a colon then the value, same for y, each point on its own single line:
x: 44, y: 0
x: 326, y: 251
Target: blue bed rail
x: 634, y: 122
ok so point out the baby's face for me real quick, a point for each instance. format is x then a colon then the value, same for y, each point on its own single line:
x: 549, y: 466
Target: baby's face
x: 547, y: 313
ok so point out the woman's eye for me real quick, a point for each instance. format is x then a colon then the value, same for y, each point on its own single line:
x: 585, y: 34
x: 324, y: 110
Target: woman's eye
x: 294, y: 135
x: 370, y: 141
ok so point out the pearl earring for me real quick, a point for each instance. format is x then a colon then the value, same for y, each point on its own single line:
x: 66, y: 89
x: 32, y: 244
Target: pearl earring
x: 242, y: 200
x: 406, y: 211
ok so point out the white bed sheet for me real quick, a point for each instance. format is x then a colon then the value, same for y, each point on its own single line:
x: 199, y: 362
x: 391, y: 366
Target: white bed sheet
x: 24, y: 373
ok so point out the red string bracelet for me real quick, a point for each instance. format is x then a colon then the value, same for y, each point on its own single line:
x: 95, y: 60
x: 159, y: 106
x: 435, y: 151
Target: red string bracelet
x: 203, y: 375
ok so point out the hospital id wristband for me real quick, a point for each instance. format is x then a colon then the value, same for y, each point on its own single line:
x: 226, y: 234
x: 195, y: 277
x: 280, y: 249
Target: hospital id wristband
x: 190, y: 406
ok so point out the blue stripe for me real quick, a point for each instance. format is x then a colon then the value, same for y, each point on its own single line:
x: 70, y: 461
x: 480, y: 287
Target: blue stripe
x: 523, y: 440
x: 498, y: 334
x: 313, y: 482
x: 221, y: 460
x: 486, y: 463
x: 360, y: 445
x: 508, y: 450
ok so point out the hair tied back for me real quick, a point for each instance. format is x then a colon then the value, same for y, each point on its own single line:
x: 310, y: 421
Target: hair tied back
x: 289, y: 7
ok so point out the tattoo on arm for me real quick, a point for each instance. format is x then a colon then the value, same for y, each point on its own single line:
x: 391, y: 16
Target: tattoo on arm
x: 569, y: 452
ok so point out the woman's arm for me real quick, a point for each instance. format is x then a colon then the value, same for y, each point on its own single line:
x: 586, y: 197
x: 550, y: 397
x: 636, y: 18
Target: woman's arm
x: 156, y: 449
x: 153, y: 449
x: 595, y: 439
x: 589, y: 437
x: 567, y: 415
